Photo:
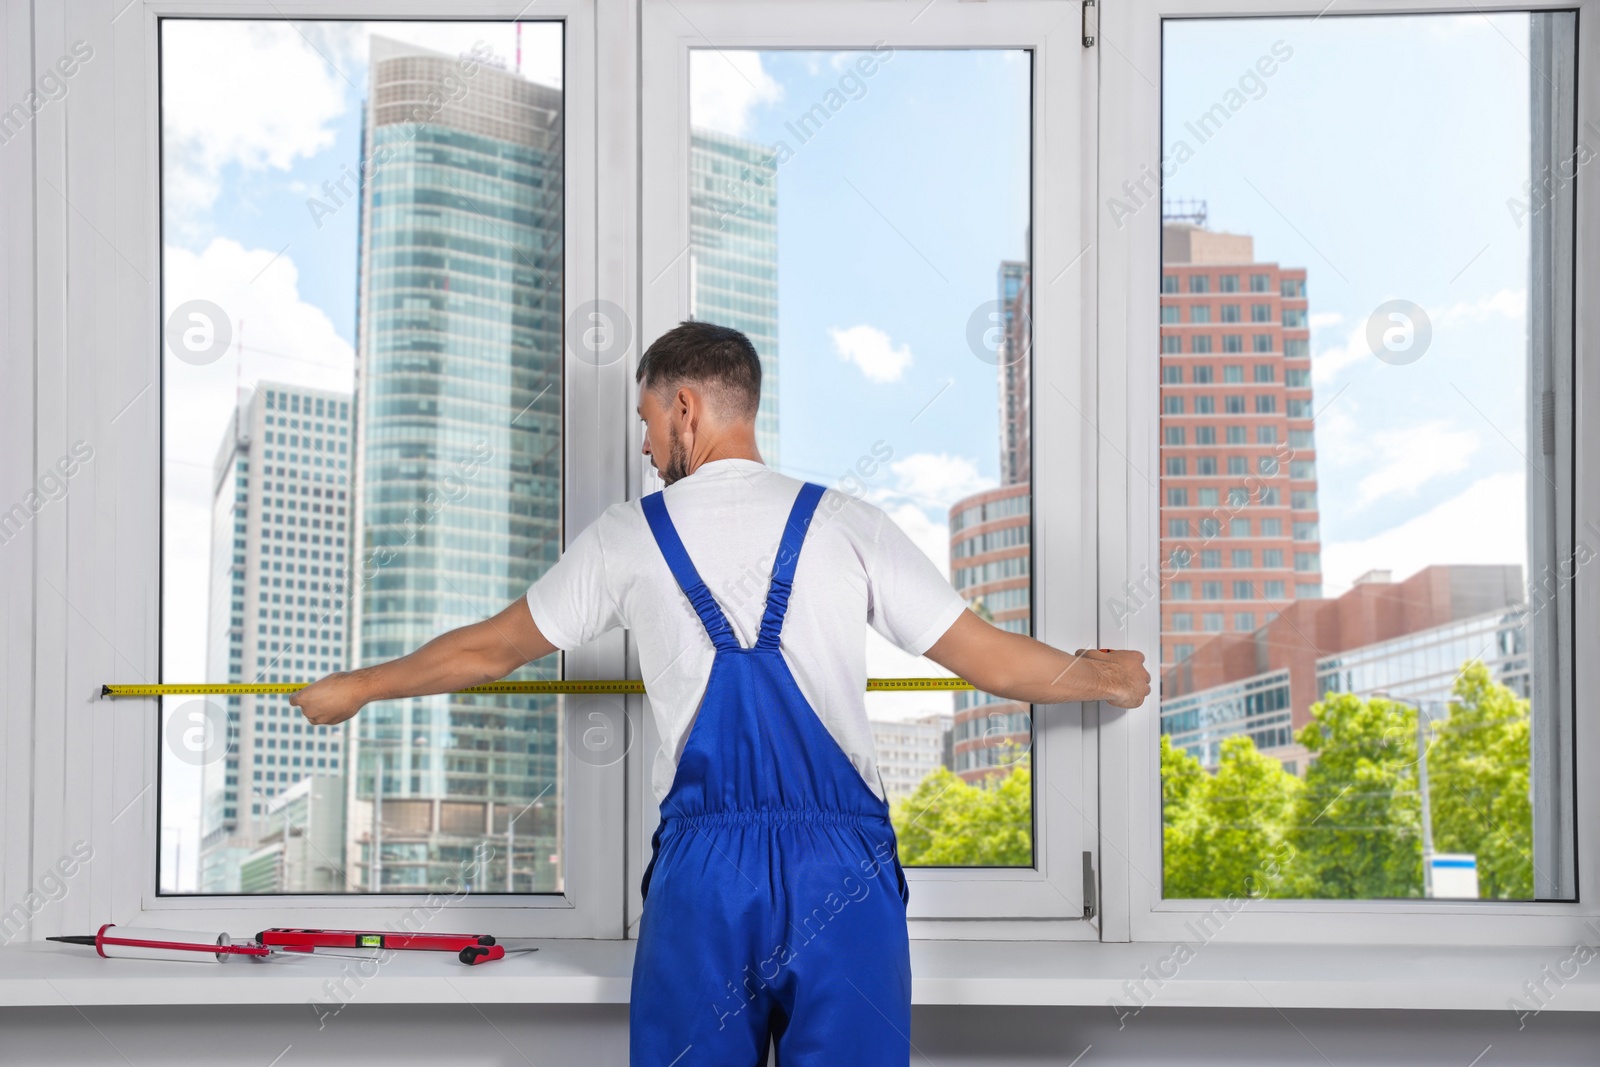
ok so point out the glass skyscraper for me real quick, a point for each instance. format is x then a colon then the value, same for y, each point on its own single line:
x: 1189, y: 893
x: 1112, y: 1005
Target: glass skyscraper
x: 458, y: 459
x: 733, y: 254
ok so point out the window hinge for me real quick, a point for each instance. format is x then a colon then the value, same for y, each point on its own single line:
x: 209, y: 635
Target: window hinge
x: 1088, y: 886
x: 1091, y: 23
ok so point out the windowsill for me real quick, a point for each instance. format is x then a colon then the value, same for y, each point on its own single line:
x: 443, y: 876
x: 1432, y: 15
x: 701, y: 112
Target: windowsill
x: 946, y: 972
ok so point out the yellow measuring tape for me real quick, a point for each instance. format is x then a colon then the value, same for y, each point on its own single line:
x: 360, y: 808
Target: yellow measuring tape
x: 874, y: 685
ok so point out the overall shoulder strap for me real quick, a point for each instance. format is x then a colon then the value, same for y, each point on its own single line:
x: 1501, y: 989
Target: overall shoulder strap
x: 666, y: 535
x: 794, y: 535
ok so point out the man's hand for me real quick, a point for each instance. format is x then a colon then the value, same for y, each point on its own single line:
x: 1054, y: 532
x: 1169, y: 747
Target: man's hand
x: 1017, y: 667
x: 332, y: 700
x: 452, y: 661
x: 1127, y: 681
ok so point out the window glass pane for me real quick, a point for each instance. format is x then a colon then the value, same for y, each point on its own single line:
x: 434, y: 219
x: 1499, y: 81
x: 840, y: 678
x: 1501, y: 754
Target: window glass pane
x: 362, y: 267
x: 1377, y: 724
x: 881, y: 268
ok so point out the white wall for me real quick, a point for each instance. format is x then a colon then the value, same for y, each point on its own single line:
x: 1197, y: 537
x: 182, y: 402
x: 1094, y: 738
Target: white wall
x: 597, y: 1036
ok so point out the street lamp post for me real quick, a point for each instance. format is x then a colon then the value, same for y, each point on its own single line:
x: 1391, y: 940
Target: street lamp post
x: 511, y: 851
x: 375, y: 835
x: 1422, y: 788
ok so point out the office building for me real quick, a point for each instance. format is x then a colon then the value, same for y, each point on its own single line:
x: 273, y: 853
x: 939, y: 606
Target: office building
x: 990, y: 557
x: 1238, y: 481
x: 459, y: 450
x: 733, y: 254
x: 279, y: 561
x: 1409, y: 639
x: 910, y: 750
x: 302, y: 845
x: 990, y: 542
x: 1016, y: 345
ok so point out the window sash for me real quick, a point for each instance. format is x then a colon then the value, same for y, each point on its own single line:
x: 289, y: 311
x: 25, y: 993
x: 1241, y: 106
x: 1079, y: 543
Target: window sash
x: 943, y: 900
x: 101, y: 547
x: 1128, y: 531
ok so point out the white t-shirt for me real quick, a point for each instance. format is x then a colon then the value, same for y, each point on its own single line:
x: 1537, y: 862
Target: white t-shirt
x: 856, y: 567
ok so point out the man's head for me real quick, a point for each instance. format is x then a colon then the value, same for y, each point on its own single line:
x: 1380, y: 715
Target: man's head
x: 699, y: 390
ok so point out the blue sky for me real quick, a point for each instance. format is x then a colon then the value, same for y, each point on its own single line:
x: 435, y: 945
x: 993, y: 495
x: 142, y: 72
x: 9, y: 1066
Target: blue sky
x: 1380, y: 156
x: 895, y: 215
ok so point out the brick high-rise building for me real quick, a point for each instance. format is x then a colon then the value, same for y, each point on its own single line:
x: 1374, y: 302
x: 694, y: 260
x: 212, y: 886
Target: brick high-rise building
x: 990, y: 565
x: 990, y: 543
x: 1239, y: 534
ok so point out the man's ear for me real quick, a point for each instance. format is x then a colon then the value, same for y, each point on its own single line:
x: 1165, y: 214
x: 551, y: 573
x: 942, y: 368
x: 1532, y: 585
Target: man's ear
x: 685, y: 404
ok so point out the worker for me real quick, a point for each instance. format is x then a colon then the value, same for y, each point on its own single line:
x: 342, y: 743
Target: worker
x: 774, y: 899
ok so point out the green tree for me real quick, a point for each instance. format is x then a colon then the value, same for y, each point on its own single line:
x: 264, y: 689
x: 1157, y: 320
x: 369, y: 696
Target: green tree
x: 1356, y: 825
x: 1353, y: 828
x: 1479, y: 784
x: 1222, y: 833
x: 951, y: 822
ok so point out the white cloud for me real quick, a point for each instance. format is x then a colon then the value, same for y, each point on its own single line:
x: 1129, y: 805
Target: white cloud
x: 1332, y: 359
x: 1328, y: 362
x: 283, y: 338
x: 725, y: 86
x: 871, y: 349
x: 1321, y: 320
x: 1511, y: 303
x: 1411, y: 457
x: 924, y: 483
x: 1485, y: 523
x: 263, y: 94
x: 934, y: 480
x: 252, y: 93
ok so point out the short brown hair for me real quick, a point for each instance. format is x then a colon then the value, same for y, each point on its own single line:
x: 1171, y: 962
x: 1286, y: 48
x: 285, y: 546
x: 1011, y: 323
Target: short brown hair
x: 719, y: 359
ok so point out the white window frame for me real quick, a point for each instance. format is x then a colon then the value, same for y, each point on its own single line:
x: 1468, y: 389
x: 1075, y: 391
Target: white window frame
x: 87, y: 365
x: 1129, y: 283
x: 1044, y: 902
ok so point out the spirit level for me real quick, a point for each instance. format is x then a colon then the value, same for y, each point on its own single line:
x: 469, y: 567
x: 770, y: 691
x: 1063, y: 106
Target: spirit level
x: 301, y: 938
x: 471, y: 949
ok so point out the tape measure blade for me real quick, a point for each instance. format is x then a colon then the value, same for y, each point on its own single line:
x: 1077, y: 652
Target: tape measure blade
x: 546, y: 686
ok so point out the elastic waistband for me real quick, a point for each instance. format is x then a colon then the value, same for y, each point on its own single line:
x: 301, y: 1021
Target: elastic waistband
x: 750, y: 816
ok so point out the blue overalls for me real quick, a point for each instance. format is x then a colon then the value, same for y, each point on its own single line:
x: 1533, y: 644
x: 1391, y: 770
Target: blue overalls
x: 775, y: 901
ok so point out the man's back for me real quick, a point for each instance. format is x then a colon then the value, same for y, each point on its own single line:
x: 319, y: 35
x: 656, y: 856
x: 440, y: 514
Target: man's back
x: 856, y: 566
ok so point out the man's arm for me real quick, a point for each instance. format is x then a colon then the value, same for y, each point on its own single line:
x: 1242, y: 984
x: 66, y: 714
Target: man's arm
x: 471, y: 655
x: 1017, y: 667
